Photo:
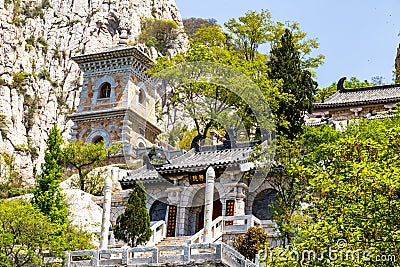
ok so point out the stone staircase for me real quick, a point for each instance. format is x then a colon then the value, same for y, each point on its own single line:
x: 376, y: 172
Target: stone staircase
x: 170, y: 246
x: 166, y: 242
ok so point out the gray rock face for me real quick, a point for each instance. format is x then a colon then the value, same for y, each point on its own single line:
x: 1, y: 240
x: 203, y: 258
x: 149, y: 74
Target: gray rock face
x: 39, y: 37
x: 83, y: 211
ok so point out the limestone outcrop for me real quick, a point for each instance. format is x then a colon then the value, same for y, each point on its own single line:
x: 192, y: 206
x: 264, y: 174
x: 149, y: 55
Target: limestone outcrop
x: 39, y: 83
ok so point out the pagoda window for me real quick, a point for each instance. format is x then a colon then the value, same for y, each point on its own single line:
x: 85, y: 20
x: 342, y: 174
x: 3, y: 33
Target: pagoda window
x: 142, y: 97
x: 105, y: 90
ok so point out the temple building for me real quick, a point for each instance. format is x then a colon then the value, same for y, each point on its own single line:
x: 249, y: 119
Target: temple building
x: 176, y: 190
x: 347, y: 104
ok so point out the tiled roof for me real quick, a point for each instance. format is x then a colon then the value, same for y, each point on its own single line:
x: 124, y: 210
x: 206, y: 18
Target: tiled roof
x: 142, y: 174
x: 202, y: 160
x: 361, y: 96
x: 190, y: 161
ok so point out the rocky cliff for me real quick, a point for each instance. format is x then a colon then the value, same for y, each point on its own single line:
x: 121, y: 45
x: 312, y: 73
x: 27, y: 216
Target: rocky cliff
x: 39, y: 83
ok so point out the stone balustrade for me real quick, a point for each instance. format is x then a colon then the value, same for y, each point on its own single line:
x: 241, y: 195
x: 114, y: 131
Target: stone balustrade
x: 158, y: 233
x: 217, y: 230
x: 187, y: 255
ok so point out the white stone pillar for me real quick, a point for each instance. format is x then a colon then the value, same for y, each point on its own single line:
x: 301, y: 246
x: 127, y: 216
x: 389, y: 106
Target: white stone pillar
x: 105, y: 225
x: 208, y: 205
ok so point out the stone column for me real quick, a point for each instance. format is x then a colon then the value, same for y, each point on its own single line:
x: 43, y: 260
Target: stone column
x: 208, y: 205
x: 105, y: 226
x: 174, y: 196
x: 240, y: 196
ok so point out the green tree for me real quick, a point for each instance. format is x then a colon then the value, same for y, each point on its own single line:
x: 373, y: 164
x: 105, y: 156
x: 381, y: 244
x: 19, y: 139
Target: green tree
x: 47, y: 196
x: 352, y: 195
x: 297, y: 89
x: 250, y: 31
x: 24, y: 234
x: 158, y: 33
x: 133, y: 226
x: 251, y: 243
x: 85, y: 157
x: 236, y: 48
x: 211, y: 36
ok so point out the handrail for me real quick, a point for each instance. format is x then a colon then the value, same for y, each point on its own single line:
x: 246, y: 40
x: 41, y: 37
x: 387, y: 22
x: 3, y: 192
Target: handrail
x: 189, y: 253
x: 158, y: 233
x: 217, y: 230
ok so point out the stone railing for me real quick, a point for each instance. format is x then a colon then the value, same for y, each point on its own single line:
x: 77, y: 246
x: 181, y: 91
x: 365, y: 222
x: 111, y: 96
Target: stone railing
x: 153, y: 256
x: 217, y: 230
x: 240, y: 224
x: 158, y: 233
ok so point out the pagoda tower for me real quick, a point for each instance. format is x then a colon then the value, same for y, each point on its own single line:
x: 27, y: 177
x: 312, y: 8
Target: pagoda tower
x: 117, y: 102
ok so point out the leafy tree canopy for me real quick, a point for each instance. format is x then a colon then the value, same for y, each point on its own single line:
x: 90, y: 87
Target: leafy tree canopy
x: 86, y: 156
x: 24, y: 234
x: 238, y: 48
x: 251, y: 243
x: 351, y: 190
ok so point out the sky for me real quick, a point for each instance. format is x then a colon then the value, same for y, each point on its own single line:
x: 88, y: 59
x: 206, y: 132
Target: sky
x: 358, y: 37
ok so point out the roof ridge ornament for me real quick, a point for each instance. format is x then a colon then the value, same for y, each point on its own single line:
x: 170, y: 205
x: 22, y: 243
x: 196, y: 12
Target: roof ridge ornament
x: 340, y: 85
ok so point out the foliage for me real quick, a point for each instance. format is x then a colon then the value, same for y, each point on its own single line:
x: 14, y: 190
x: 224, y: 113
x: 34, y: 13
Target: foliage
x: 352, y: 195
x: 158, y: 33
x: 251, y: 243
x: 42, y: 41
x: 23, y: 10
x: 253, y: 29
x: 24, y: 234
x: 238, y: 49
x: 212, y: 36
x: 133, y: 226
x: 288, y: 177
x: 249, y: 31
x: 297, y: 89
x: 84, y: 157
x: 94, y: 181
x: 3, y: 82
x: 19, y: 80
x: 193, y: 24
x: 47, y: 194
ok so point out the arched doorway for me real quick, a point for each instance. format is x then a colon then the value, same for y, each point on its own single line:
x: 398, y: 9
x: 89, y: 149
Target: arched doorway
x: 263, y: 204
x: 196, y: 211
x: 158, y: 210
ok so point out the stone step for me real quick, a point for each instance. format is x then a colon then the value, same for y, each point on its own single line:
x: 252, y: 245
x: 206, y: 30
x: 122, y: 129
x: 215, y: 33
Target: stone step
x: 173, y: 241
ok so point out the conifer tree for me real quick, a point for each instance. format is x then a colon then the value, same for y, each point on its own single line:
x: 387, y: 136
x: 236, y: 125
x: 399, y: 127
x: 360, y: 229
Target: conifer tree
x: 298, y: 87
x: 47, y: 195
x: 133, y: 226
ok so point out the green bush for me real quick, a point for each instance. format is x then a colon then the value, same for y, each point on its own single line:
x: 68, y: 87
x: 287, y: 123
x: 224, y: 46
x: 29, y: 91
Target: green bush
x: 19, y: 80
